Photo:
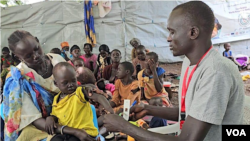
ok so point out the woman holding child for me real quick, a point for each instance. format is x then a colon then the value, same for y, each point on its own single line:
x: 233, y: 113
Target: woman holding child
x: 29, y: 91
x: 28, y: 103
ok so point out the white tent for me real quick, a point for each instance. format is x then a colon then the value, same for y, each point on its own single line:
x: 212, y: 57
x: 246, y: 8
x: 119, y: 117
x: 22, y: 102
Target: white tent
x: 56, y: 21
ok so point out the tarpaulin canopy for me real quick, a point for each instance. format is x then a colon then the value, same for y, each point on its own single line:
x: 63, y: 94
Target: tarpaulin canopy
x: 54, y: 22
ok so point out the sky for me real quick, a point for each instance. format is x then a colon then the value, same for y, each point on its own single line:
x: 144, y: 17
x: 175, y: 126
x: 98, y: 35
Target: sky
x: 27, y: 2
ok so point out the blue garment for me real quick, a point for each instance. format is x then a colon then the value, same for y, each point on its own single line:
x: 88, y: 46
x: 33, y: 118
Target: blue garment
x: 226, y: 53
x: 157, y: 122
x: 89, y: 23
x: 62, y: 54
x: 15, y: 87
x: 159, y: 71
x: 2, y: 130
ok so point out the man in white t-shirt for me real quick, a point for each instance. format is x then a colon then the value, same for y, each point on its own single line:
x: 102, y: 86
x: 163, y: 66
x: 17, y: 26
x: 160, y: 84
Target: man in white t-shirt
x: 211, y: 91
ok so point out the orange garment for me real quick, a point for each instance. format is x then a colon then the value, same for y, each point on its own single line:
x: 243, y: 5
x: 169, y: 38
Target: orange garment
x: 150, y: 90
x: 64, y: 44
x: 123, y: 92
x: 136, y: 61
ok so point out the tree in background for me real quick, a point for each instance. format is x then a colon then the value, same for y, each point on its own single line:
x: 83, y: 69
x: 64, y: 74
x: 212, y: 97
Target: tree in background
x: 8, y: 3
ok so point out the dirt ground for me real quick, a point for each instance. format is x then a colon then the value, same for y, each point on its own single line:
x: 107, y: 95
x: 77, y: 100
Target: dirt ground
x: 247, y: 87
x: 175, y: 68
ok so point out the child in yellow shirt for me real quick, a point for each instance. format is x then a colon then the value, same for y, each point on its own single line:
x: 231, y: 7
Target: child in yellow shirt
x: 71, y: 108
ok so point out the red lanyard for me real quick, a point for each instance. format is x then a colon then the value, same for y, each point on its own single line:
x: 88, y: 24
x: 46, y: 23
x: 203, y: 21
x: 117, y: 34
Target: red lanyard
x: 185, y: 85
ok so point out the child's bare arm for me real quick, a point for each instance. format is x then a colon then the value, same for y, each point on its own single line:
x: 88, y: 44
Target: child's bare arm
x: 51, y: 124
x: 98, y: 98
x: 158, y: 80
x: 79, y: 133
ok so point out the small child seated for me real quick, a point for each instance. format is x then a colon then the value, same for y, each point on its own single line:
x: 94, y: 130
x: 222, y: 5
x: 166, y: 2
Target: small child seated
x: 85, y: 76
x: 105, y: 86
x: 140, y: 61
x: 125, y: 87
x: 71, y: 107
x: 228, y: 53
x: 151, y: 80
x: 78, y: 62
x: 155, y: 121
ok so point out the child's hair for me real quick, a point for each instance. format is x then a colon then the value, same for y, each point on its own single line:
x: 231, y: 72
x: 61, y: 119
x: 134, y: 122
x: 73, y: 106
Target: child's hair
x: 226, y: 45
x: 135, y: 40
x: 153, y: 55
x: 116, y: 50
x: 58, y: 66
x: 6, y: 49
x: 74, y: 47
x: 17, y: 36
x: 155, y: 101
x: 128, y: 66
x: 90, y: 46
x: 56, y: 51
x: 77, y: 59
x: 141, y: 47
x: 104, y: 47
x: 101, y: 85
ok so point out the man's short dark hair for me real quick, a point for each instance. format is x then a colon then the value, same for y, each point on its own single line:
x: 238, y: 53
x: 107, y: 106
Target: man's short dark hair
x: 198, y: 13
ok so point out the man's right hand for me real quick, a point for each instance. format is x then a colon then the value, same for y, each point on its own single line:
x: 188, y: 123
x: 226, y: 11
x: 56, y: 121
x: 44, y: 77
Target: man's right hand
x: 137, y: 112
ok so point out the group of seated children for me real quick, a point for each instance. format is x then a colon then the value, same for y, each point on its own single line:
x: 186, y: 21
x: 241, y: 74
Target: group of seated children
x: 109, y: 85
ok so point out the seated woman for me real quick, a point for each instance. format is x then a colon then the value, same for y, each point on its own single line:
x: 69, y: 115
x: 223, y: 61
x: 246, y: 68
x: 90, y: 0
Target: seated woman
x: 102, y: 61
x: 29, y: 99
x: 71, y: 108
x: 90, y: 58
x: 125, y: 87
x: 76, y: 53
x: 109, y: 72
x: 151, y: 80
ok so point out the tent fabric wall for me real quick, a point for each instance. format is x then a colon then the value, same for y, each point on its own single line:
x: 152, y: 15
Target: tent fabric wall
x: 56, y: 21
